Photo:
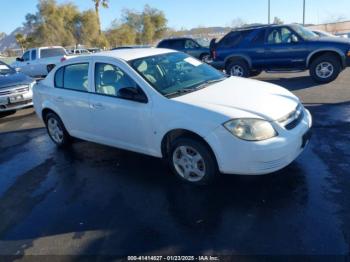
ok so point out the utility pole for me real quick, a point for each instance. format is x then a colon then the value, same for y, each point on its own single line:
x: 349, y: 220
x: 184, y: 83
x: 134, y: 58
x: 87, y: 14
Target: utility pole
x: 304, y: 12
x: 269, y: 11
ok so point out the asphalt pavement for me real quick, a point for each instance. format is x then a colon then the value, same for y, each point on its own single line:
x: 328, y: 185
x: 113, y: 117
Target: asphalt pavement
x: 96, y: 200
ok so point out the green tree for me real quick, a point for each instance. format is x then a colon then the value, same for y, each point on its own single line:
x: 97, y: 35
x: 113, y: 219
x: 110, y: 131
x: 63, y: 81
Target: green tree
x: 121, y: 35
x: 21, y: 41
x: 149, y: 25
x: 277, y: 21
x: 98, y: 3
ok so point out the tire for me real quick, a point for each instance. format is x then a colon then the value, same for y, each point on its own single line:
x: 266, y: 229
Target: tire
x: 205, y: 57
x: 60, y: 135
x: 254, y: 73
x: 192, y: 161
x: 332, y: 68
x: 238, y: 68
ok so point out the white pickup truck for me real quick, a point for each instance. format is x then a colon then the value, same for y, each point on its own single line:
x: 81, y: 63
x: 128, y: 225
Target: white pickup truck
x: 35, y: 61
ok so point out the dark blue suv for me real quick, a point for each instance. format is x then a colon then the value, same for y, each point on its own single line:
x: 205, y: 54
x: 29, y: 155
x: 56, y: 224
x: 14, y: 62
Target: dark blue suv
x: 280, y: 48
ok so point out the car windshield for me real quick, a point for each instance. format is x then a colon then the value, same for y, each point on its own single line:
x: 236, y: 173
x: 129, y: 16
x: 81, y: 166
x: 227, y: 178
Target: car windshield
x: 5, y: 69
x: 304, y: 32
x: 173, y: 74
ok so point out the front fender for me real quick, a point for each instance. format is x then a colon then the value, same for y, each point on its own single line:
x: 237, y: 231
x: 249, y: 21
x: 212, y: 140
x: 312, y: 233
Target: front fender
x: 333, y: 49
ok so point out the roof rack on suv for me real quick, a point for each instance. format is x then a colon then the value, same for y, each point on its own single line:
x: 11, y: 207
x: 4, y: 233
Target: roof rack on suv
x: 257, y: 26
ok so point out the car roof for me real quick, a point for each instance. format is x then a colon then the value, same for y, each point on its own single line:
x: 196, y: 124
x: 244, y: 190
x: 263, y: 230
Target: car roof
x: 131, y: 54
x: 177, y: 39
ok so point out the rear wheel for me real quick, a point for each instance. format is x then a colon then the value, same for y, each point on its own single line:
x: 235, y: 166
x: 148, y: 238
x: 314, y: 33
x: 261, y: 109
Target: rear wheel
x: 56, y: 130
x: 192, y: 161
x: 325, y: 68
x: 238, y: 68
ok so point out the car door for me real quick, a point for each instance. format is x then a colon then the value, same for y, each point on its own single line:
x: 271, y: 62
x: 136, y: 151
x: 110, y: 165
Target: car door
x: 24, y: 65
x: 71, y: 96
x: 118, y: 120
x: 257, y: 49
x: 284, y: 49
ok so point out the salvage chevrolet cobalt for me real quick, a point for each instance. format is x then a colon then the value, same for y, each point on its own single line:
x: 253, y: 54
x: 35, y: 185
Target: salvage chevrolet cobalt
x: 169, y: 105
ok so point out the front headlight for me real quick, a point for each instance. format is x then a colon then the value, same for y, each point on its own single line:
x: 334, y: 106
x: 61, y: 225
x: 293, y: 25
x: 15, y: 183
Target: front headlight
x: 251, y: 129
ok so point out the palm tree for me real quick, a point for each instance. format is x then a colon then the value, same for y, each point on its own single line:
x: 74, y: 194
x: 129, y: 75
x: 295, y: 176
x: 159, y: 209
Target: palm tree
x: 98, y: 3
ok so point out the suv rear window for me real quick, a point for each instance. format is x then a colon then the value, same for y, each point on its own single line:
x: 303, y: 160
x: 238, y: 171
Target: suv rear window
x: 52, y: 52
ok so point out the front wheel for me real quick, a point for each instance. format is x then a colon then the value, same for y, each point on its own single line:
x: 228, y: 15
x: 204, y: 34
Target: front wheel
x: 192, y: 161
x: 325, y: 69
x: 56, y: 130
x: 238, y: 68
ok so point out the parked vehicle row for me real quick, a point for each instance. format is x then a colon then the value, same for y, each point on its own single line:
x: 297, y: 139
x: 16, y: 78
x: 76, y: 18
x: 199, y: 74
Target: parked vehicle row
x: 275, y: 48
x: 170, y: 105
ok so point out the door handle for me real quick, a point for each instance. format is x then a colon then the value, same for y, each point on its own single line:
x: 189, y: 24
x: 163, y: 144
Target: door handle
x: 59, y: 99
x: 97, y: 106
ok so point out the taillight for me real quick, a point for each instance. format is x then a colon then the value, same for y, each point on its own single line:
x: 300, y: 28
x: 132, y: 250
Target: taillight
x: 214, y: 54
x: 63, y: 59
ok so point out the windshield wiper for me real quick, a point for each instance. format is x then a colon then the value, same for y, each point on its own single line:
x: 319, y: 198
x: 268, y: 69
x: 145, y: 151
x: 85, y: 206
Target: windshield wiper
x: 195, y: 87
x: 181, y: 91
x: 207, y: 83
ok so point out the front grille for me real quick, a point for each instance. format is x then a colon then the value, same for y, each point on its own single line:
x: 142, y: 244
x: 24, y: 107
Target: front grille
x: 293, y: 119
x: 14, y: 90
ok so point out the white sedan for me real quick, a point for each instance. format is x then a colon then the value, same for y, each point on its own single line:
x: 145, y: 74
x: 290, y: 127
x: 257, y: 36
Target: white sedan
x: 169, y: 105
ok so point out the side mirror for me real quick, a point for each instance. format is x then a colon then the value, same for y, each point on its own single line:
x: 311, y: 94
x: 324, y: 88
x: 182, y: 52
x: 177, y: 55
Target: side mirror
x: 19, y: 59
x: 294, y: 39
x: 132, y: 93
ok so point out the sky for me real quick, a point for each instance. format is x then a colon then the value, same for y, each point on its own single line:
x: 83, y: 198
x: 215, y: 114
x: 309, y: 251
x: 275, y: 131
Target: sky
x: 192, y: 13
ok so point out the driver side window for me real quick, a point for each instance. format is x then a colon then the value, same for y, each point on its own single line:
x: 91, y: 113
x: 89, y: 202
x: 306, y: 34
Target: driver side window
x: 26, y: 56
x: 110, y: 79
x: 281, y: 35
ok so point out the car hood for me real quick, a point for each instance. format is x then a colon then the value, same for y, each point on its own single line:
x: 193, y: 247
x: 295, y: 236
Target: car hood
x: 14, y: 79
x: 238, y: 97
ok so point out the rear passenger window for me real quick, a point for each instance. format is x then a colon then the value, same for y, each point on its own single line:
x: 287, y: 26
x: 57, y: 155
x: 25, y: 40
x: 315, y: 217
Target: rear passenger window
x: 73, y: 77
x: 259, y: 38
x: 164, y: 44
x: 59, y: 78
x: 231, y: 40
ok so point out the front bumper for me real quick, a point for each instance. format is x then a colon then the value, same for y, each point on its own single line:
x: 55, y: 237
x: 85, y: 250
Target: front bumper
x: 16, y: 101
x: 235, y: 156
